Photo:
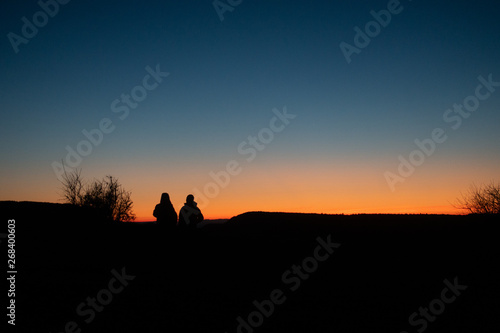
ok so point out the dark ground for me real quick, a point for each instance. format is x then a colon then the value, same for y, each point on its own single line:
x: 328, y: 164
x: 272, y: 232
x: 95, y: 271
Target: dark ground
x: 386, y: 268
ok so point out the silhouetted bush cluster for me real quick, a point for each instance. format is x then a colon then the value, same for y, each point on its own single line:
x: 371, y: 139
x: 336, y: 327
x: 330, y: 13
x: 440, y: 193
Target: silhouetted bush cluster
x: 482, y: 200
x: 107, y: 196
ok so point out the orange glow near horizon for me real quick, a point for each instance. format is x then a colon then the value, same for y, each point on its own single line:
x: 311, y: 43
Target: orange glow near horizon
x: 403, y: 210
x: 353, y: 190
x: 329, y: 186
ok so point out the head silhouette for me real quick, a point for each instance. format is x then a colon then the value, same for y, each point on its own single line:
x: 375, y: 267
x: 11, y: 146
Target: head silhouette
x: 190, y: 199
x: 165, y: 198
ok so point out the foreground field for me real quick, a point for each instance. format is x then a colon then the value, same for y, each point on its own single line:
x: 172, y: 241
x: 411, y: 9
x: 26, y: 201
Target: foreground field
x: 259, y: 272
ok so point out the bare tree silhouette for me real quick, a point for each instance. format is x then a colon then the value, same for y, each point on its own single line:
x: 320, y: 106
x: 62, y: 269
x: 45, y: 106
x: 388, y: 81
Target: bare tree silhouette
x: 72, y: 186
x: 484, y: 199
x: 106, y: 195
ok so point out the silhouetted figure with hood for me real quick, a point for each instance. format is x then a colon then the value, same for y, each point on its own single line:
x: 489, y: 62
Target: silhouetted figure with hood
x: 190, y: 215
x: 165, y: 213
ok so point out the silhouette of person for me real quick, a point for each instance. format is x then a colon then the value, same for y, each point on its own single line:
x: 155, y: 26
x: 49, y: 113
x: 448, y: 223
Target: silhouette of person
x: 190, y: 215
x: 165, y: 213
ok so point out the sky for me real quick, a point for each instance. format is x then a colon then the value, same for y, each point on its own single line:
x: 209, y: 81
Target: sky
x: 296, y: 106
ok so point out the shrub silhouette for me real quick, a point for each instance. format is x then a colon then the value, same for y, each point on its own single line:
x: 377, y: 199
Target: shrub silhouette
x: 481, y: 200
x: 107, y: 196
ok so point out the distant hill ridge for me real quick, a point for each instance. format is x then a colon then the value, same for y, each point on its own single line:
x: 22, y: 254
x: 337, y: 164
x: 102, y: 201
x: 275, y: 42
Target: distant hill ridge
x: 61, y: 215
x: 56, y: 213
x: 367, y: 220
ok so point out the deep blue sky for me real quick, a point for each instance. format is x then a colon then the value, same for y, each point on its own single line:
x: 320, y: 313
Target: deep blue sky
x: 227, y: 76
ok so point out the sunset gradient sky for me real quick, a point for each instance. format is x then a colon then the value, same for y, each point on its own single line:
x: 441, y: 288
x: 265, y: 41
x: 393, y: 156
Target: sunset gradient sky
x: 351, y: 120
